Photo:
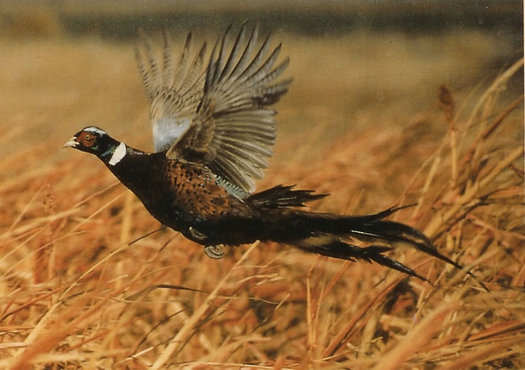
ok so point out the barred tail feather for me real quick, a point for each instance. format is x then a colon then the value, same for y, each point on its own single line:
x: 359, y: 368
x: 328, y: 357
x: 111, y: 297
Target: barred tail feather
x: 338, y: 249
x: 327, y: 234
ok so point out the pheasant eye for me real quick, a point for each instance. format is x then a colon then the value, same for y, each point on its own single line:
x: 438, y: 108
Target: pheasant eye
x: 87, y: 139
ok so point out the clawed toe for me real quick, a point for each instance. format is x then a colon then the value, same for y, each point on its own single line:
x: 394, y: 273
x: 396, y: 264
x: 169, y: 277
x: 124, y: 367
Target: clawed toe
x: 214, y: 251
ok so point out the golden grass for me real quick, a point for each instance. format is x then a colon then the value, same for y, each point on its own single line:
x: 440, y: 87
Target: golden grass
x: 75, y: 293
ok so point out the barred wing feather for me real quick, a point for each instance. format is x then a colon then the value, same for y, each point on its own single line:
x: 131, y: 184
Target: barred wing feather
x: 174, y: 91
x: 217, y: 115
x: 234, y: 131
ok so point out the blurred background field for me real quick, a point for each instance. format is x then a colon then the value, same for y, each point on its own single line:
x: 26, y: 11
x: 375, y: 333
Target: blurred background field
x: 363, y: 120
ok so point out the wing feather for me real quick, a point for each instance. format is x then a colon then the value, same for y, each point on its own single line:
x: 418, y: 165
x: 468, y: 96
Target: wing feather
x: 227, y: 169
x: 168, y: 71
x: 245, y: 57
x: 237, y: 46
x: 256, y: 60
x: 153, y: 71
x: 217, y: 113
x: 174, y: 87
x: 195, y: 75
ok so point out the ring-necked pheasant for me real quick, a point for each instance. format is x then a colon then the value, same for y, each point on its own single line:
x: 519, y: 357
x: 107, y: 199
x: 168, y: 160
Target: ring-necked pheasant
x: 213, y: 132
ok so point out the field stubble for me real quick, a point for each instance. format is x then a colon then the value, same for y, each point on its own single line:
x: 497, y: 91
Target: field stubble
x: 365, y: 120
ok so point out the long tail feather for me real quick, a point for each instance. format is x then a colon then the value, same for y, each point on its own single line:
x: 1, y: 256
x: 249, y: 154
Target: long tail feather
x: 342, y: 250
x: 327, y: 234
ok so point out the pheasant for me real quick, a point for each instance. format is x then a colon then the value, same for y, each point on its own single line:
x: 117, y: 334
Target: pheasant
x: 213, y: 133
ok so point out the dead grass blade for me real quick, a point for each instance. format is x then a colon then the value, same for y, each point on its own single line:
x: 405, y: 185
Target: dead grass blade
x: 417, y: 338
x: 179, y: 340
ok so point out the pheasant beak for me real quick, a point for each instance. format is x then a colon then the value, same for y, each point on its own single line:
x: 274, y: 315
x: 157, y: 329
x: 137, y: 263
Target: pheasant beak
x: 72, y: 143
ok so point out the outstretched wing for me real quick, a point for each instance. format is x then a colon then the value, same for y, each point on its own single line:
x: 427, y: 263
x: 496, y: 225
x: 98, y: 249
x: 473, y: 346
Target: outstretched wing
x: 174, y: 89
x: 219, y: 117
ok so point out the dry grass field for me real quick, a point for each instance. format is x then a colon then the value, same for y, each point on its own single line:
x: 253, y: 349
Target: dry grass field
x: 374, y: 119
